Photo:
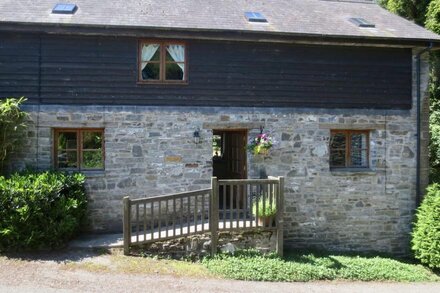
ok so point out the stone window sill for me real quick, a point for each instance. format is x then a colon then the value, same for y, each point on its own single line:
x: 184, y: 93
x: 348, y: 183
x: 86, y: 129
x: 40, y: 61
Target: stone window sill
x: 352, y: 171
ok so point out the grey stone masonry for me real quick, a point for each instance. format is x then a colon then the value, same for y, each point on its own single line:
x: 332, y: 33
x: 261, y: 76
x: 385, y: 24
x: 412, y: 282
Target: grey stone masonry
x: 199, y: 245
x: 151, y: 151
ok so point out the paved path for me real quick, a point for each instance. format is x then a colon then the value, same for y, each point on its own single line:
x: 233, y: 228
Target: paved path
x: 79, y: 281
x: 98, y: 241
x: 49, y: 274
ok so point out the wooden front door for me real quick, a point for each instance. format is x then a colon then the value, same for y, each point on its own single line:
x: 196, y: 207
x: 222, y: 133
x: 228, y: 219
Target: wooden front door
x: 236, y: 163
x: 230, y: 162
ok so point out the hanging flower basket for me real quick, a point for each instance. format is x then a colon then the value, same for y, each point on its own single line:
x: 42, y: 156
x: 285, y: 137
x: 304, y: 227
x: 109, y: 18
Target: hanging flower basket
x: 261, y: 144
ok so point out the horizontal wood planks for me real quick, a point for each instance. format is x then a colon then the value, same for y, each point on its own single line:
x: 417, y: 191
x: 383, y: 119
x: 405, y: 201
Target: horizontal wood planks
x: 19, y: 66
x: 103, y: 70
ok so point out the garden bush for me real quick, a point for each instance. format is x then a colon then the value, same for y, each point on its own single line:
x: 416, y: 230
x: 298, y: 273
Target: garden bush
x: 12, y: 127
x: 303, y: 267
x: 40, y: 210
x: 426, y: 233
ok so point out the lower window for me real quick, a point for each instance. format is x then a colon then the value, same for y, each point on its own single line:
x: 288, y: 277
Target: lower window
x: 349, y: 149
x: 79, y: 149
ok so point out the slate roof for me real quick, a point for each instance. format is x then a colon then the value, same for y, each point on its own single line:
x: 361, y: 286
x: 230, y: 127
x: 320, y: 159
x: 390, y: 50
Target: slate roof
x: 296, y: 17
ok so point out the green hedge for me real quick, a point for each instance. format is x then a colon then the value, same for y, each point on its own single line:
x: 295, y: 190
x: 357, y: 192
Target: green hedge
x: 12, y: 128
x: 426, y: 233
x: 40, y: 210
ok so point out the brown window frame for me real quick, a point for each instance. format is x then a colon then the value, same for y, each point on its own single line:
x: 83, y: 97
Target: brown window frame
x: 79, y: 147
x: 348, y: 134
x: 162, y: 62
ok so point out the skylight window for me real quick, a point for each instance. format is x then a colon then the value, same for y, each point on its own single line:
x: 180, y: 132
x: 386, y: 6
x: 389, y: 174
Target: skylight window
x: 360, y: 22
x: 255, y: 17
x: 64, y: 8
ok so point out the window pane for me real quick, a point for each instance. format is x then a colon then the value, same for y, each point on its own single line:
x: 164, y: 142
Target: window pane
x: 359, y: 158
x: 358, y: 150
x: 92, y: 140
x: 151, y: 71
x: 150, y: 52
x: 174, y: 71
x: 67, y: 159
x: 67, y: 155
x: 67, y: 140
x: 216, y: 145
x: 175, y: 53
x: 337, y: 150
x: 337, y: 141
x: 337, y: 158
x: 92, y: 160
x: 358, y: 141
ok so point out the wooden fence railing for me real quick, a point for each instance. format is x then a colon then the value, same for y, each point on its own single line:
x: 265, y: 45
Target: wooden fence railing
x: 228, y: 205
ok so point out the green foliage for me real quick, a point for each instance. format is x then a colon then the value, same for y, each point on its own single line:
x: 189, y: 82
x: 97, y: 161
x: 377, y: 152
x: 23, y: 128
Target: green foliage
x: 434, y: 119
x: 433, y: 16
x: 411, y: 9
x: 383, y: 3
x: 426, y: 232
x: 251, y: 265
x: 12, y: 126
x: 266, y: 208
x: 40, y: 210
x: 433, y: 23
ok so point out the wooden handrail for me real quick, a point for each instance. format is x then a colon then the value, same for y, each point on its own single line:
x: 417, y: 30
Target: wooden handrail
x: 170, y: 196
x: 227, y: 205
x: 248, y: 181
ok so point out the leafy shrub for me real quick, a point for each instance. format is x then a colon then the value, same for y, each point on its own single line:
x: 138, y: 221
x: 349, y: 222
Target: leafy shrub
x: 411, y: 9
x: 433, y: 16
x: 266, y: 208
x: 12, y: 125
x: 251, y: 265
x: 40, y: 210
x: 426, y: 233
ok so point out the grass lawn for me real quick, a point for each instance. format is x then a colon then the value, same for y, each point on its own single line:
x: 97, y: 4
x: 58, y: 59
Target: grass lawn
x: 316, y: 266
x: 250, y: 265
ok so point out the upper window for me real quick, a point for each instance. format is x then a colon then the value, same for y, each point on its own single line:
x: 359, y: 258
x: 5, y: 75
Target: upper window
x: 79, y: 149
x: 163, y: 62
x: 349, y: 149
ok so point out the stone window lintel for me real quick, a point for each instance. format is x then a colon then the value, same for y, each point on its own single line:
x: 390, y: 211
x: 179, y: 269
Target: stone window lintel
x: 232, y: 125
x: 352, y: 126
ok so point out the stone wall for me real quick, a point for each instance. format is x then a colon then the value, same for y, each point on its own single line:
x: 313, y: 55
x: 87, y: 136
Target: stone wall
x: 150, y: 151
x: 197, y: 246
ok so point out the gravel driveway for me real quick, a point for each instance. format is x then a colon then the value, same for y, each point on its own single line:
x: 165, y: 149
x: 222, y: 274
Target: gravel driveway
x: 48, y: 273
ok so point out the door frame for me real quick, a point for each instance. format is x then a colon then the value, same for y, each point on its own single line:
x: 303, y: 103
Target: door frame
x: 245, y: 132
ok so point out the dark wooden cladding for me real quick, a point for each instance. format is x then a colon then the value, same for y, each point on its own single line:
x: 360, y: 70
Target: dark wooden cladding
x: 103, y: 70
x: 19, y: 66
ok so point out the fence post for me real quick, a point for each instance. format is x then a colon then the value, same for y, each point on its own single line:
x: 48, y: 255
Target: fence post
x: 213, y: 215
x: 127, y: 225
x: 280, y: 217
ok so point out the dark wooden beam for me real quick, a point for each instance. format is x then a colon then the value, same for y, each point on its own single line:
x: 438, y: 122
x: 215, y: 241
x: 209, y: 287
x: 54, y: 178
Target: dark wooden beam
x: 205, y: 34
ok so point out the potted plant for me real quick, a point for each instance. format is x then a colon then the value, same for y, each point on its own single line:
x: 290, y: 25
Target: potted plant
x: 264, y: 209
x: 261, y: 144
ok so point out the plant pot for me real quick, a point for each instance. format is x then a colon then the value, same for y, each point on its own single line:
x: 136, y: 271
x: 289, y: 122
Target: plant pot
x: 266, y: 221
x: 262, y: 152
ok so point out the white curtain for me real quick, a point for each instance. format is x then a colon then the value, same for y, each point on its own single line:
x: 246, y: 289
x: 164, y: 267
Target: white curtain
x: 177, y: 52
x: 148, y: 52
